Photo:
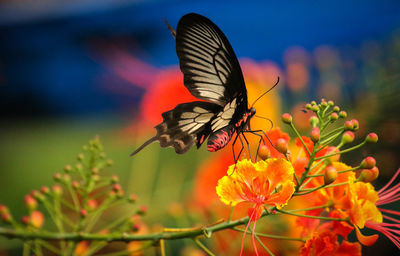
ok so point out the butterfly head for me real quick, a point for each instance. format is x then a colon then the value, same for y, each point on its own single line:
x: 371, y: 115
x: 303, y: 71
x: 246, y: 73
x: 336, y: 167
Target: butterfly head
x: 252, y: 111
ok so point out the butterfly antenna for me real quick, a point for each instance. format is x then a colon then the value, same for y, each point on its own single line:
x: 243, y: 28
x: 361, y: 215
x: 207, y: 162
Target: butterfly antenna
x: 143, y: 145
x: 277, y: 81
x: 173, y: 32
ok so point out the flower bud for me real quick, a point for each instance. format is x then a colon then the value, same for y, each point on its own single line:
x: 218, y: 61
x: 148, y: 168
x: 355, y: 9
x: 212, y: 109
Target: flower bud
x: 57, y: 190
x: 114, y: 179
x: 37, y: 195
x: 314, y: 121
x: 348, y: 137
x: 336, y: 109
x: 30, y: 202
x: 142, y: 210
x: 95, y: 170
x: 92, y: 204
x: 116, y: 187
x: 80, y: 157
x: 3, y: 209
x: 287, y: 118
x: 281, y: 145
x: 75, y: 184
x: 331, y: 103
x: 37, y: 219
x: 67, y: 168
x: 57, y: 176
x: 315, y: 108
x: 264, y: 152
x: 368, y: 163
x: 25, y: 220
x: 348, y: 126
x: 45, y: 190
x: 315, y: 134
x: 109, y: 162
x: 334, y: 116
x: 6, y: 217
x: 132, y: 198
x: 368, y: 175
x: 135, y: 227
x: 313, y: 103
x: 83, y: 213
x: 330, y: 175
x: 356, y: 125
x: 308, y: 106
x: 372, y: 138
x: 120, y: 193
x: 79, y: 167
x: 342, y: 114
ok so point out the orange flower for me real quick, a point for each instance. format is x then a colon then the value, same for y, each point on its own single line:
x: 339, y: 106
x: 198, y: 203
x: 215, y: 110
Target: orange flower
x: 391, y: 226
x: 265, y: 182
x: 362, y: 199
x: 325, y: 242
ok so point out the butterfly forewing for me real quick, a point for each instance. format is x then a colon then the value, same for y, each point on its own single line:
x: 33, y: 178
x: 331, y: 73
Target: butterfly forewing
x: 209, y: 65
x: 211, y: 73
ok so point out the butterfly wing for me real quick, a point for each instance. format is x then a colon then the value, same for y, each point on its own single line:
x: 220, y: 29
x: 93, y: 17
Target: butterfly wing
x: 209, y: 65
x: 185, y: 125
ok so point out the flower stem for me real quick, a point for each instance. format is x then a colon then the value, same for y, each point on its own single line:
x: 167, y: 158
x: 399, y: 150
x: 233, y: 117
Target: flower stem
x: 203, y: 247
x: 271, y: 236
x: 310, y: 216
x: 341, y: 152
x: 300, y: 138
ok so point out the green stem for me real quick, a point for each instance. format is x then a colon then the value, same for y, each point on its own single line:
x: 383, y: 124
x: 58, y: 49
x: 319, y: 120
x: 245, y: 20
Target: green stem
x: 300, y: 138
x: 339, y: 129
x: 125, y: 237
x: 310, y: 216
x: 271, y: 236
x: 203, y: 247
x: 231, y: 214
x: 311, y: 208
x: 341, y: 152
x: 303, y: 192
x: 260, y: 242
x: 343, y: 171
x: 50, y: 247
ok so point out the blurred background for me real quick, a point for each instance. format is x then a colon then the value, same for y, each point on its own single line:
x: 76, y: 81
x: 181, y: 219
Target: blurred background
x: 70, y: 70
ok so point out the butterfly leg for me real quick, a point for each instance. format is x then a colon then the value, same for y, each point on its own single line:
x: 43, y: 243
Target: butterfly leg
x: 248, y: 144
x: 233, y: 150
x: 255, y: 132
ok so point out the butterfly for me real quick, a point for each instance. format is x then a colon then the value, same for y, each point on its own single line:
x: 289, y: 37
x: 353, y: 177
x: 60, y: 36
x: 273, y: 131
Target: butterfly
x: 212, y: 74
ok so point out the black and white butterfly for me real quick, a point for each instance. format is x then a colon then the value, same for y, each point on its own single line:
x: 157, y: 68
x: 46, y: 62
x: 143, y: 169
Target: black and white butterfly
x: 211, y: 73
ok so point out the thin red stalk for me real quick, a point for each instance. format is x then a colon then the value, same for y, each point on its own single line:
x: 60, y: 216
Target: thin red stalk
x: 252, y: 235
x: 390, y: 182
x: 245, y: 231
x: 386, y: 231
x: 387, y: 200
x: 391, y: 219
x: 389, y: 211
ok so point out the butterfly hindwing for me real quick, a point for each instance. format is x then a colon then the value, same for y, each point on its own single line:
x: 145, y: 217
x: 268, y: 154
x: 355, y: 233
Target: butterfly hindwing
x: 185, y: 125
x: 209, y: 65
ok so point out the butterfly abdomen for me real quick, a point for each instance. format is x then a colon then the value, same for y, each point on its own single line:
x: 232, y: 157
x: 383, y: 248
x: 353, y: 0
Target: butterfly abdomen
x: 220, y: 138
